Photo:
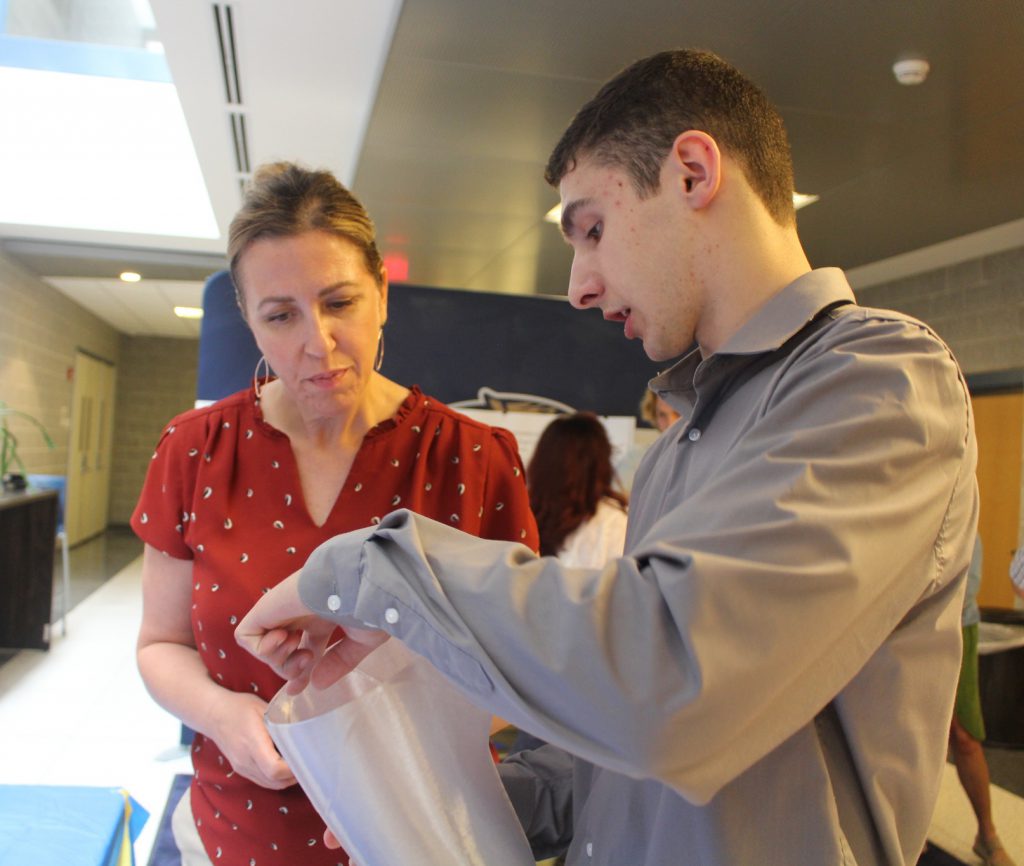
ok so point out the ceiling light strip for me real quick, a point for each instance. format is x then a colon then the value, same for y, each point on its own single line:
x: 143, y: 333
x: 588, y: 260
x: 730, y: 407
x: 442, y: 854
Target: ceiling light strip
x: 233, y: 54
x: 228, y: 57
x: 240, y: 138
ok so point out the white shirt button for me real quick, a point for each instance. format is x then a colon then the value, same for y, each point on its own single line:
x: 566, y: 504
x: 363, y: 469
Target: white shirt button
x: 391, y: 616
x: 694, y: 434
x: 333, y: 602
x: 590, y: 849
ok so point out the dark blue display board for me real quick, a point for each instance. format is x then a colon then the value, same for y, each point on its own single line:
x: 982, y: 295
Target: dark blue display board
x: 453, y: 343
x: 227, y: 351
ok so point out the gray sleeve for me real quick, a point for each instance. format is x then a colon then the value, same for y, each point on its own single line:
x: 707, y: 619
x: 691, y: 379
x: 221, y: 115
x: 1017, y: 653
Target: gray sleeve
x: 539, y: 784
x: 738, y: 613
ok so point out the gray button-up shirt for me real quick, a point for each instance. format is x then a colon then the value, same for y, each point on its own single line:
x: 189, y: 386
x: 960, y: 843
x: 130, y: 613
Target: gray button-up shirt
x: 767, y: 675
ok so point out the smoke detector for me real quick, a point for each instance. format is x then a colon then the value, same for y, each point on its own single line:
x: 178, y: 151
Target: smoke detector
x: 911, y: 70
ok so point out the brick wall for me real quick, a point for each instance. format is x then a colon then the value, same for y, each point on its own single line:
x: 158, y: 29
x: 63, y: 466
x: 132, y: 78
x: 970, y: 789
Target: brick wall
x: 40, y: 331
x: 976, y: 306
x: 156, y: 380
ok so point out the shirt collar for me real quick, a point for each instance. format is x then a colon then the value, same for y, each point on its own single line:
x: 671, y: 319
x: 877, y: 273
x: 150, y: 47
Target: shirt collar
x: 774, y: 322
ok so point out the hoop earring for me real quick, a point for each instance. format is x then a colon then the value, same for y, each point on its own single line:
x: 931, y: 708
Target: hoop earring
x: 380, y: 353
x: 257, y: 386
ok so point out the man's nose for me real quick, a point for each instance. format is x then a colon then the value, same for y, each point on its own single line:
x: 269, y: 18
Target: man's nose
x: 584, y: 287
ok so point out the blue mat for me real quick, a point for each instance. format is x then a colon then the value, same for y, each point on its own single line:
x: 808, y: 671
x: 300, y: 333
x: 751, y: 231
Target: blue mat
x: 165, y: 852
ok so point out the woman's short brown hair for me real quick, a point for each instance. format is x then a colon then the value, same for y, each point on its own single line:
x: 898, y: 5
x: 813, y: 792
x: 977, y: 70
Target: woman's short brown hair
x: 284, y: 199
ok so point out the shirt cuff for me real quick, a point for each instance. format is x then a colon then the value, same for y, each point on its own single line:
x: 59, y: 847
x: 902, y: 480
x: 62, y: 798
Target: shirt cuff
x: 330, y: 579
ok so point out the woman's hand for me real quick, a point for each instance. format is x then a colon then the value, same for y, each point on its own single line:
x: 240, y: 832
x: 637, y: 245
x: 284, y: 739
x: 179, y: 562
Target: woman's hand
x: 239, y: 731
x: 240, y: 734
x: 281, y: 632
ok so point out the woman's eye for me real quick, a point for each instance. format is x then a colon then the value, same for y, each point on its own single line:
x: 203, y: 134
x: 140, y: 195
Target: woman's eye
x: 339, y: 304
x: 278, y: 317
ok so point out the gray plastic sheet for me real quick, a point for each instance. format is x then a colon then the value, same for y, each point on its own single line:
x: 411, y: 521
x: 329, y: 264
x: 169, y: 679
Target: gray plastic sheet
x: 396, y: 762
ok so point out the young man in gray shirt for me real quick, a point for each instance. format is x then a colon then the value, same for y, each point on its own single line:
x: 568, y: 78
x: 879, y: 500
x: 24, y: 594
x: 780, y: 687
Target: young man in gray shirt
x: 767, y: 675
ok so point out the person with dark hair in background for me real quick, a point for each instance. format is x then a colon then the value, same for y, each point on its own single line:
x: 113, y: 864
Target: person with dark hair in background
x: 581, y: 517
x: 239, y: 493
x: 767, y: 675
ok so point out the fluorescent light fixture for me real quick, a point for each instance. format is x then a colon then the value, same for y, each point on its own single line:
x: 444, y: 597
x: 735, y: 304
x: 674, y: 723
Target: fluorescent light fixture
x: 799, y: 200
x: 802, y: 200
x: 188, y: 312
x: 130, y: 277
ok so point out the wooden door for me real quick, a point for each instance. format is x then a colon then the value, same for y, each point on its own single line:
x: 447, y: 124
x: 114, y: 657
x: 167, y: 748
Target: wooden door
x: 92, y: 421
x: 999, y: 419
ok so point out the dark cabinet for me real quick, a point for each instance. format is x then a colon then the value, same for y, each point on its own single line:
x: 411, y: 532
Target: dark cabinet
x: 28, y: 528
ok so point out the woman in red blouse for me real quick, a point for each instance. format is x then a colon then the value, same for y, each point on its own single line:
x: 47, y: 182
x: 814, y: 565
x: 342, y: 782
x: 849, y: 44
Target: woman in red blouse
x: 239, y: 493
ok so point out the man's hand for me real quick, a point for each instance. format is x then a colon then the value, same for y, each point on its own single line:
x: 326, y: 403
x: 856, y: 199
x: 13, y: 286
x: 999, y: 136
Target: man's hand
x: 282, y: 632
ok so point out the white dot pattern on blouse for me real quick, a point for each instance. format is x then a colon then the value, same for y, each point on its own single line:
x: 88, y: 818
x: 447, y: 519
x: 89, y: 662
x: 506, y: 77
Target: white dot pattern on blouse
x: 223, y: 656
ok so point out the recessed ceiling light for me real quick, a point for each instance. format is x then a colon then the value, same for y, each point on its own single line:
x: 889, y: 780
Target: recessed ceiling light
x: 188, y: 312
x: 802, y: 200
x: 130, y: 276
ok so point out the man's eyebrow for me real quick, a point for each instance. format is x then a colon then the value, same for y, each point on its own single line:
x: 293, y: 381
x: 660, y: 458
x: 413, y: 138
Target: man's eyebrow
x: 568, y: 212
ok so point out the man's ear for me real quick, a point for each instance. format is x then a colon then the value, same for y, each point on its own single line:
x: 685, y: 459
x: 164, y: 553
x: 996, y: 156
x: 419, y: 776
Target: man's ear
x: 696, y: 163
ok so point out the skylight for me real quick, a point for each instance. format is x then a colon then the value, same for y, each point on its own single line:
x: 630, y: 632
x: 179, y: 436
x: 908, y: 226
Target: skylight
x: 95, y: 137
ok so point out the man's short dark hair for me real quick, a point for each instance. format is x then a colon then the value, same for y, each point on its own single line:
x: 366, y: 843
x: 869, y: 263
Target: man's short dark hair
x: 633, y: 120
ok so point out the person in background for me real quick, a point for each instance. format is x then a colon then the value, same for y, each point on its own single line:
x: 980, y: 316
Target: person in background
x: 581, y: 516
x: 657, y: 412
x: 767, y: 675
x: 967, y: 731
x: 239, y: 493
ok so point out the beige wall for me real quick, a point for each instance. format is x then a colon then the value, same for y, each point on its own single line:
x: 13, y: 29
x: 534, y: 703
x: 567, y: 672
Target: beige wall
x: 156, y: 381
x: 40, y: 331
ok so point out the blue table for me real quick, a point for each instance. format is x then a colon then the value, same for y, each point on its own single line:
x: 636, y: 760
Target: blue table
x: 55, y: 825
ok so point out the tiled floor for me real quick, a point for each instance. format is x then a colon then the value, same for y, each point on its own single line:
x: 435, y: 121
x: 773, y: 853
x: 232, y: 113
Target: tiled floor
x: 81, y: 715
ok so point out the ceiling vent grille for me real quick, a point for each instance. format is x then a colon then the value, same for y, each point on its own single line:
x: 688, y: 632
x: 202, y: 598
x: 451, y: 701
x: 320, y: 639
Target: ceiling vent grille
x: 224, y: 21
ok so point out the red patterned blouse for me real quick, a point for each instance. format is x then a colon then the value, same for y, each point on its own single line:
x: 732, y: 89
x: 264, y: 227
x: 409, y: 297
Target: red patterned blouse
x: 223, y: 491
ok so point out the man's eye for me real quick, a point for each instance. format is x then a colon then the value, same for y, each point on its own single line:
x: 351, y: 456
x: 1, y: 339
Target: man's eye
x: 595, y: 231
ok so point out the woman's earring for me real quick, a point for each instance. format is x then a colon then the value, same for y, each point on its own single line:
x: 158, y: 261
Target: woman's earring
x: 257, y: 386
x: 380, y: 352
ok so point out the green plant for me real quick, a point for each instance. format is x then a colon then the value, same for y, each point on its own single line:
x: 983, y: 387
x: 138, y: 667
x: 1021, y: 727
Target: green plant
x: 9, y: 442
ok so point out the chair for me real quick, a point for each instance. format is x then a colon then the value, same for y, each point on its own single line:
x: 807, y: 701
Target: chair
x: 58, y: 483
